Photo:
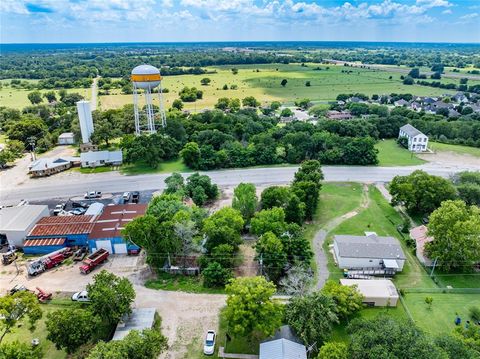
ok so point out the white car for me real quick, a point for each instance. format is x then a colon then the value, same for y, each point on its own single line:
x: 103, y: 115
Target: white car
x: 78, y: 211
x: 93, y: 194
x: 58, y: 209
x: 126, y: 197
x: 209, y: 347
x: 81, y: 296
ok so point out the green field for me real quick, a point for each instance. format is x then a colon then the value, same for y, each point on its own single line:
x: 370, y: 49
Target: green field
x: 265, y: 84
x: 164, y: 167
x: 463, y: 150
x: 440, y: 318
x: 17, y: 98
x: 391, y: 154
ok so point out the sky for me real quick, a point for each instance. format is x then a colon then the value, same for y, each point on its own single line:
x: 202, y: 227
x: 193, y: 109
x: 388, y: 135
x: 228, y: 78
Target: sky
x: 77, y: 21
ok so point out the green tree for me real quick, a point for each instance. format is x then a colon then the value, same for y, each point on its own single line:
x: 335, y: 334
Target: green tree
x: 333, y: 350
x: 70, y: 328
x: 429, y: 301
x: 312, y: 317
x: 284, y: 82
x: 222, y: 103
x: 223, y: 227
x: 250, y: 101
x: 111, y: 296
x: 348, y: 299
x: 250, y: 308
x: 303, y: 103
x: 386, y: 337
x: 17, y: 350
x: 175, y: 184
x: 268, y: 220
x: 455, y: 348
x: 191, y: 155
x: 408, y: 81
x: 200, y: 188
x: 205, y: 81
x: 35, y: 97
x: 14, y: 308
x: 270, y: 250
x: 245, y: 200
x: 414, y: 73
x: 27, y: 127
x: 275, y: 105
x: 421, y: 192
x: 177, y: 104
x: 147, y: 344
x: 286, y: 112
x: 5, y: 157
x: 50, y: 96
x: 455, y: 229
x: 215, y: 275
x: 283, y: 197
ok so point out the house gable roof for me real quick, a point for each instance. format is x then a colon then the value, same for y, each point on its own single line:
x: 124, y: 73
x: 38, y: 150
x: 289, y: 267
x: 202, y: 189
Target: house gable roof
x: 410, y: 130
x: 368, y: 247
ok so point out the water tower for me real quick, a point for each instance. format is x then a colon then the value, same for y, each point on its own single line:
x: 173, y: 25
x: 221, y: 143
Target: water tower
x: 147, y: 78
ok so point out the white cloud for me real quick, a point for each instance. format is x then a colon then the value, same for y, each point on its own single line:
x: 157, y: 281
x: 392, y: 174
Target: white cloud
x: 434, y: 3
x: 471, y: 16
x: 13, y: 7
x: 446, y: 12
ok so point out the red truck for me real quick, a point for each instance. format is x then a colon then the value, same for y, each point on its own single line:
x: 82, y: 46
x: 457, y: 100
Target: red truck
x: 48, y: 261
x: 94, y: 260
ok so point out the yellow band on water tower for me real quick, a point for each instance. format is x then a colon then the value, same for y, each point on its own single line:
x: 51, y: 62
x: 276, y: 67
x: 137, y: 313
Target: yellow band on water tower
x: 146, y: 78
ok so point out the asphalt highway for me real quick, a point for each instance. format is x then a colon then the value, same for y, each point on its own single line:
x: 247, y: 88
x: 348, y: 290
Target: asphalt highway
x: 108, y: 182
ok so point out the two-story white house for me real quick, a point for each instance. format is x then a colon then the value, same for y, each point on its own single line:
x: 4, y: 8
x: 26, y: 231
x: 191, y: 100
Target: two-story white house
x: 417, y: 141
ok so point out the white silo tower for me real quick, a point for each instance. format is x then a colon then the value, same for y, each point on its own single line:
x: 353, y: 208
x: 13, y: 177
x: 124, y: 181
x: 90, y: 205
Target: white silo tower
x: 147, y: 78
x: 85, y: 119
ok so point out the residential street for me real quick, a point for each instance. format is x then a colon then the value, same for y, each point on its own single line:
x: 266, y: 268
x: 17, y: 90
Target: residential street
x: 68, y: 184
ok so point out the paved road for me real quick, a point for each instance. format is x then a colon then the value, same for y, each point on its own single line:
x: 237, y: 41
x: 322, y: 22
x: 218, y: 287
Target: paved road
x: 78, y: 184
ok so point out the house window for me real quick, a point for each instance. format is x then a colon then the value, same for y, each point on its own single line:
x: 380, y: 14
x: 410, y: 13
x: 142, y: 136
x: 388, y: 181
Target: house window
x: 371, y: 260
x: 414, y: 140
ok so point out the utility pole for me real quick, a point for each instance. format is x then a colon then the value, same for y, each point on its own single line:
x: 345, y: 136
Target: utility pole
x: 434, y: 265
x: 31, y: 142
x: 261, y: 263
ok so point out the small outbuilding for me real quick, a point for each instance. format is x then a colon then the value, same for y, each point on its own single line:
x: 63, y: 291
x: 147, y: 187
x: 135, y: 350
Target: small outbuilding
x: 376, y: 292
x: 16, y: 222
x: 283, y: 345
x: 66, y: 138
x: 370, y: 251
x: 139, y: 319
x: 101, y: 158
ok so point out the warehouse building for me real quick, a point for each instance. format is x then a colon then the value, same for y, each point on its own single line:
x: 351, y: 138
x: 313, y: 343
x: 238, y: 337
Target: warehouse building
x: 376, y: 292
x: 107, y: 231
x: 17, y: 222
x: 53, y: 233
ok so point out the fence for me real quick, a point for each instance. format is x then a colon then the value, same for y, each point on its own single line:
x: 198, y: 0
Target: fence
x: 442, y: 290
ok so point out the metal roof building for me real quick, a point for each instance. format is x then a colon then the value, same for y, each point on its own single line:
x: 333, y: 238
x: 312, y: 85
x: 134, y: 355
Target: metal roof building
x: 369, y: 251
x: 140, y: 319
x: 16, y: 222
x: 101, y: 158
x: 282, y: 349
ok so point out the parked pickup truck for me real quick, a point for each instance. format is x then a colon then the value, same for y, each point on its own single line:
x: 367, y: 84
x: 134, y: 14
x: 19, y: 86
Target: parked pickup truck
x: 93, y: 194
x: 94, y: 260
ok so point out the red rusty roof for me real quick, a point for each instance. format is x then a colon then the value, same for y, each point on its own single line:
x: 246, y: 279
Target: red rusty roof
x: 44, y: 242
x: 63, y: 225
x: 114, y: 218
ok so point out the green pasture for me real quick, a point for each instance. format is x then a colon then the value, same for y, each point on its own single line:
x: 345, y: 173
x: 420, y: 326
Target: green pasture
x: 263, y: 82
x: 18, y: 98
x: 391, y: 154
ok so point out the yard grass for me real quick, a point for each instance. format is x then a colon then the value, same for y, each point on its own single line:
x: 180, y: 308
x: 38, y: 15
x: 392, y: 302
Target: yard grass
x: 382, y: 218
x: 457, y: 280
x: 391, y: 154
x: 440, y: 318
x: 264, y: 84
x: 444, y: 147
x: 164, y: 167
x: 88, y: 170
x: 189, y: 284
x: 22, y: 334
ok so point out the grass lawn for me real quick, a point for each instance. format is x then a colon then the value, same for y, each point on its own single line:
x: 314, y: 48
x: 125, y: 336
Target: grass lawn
x: 22, y: 334
x: 391, y: 154
x: 382, y: 218
x: 443, y: 147
x: 264, y: 84
x: 164, y: 167
x: 440, y: 318
x: 457, y: 280
x: 101, y: 169
x: 190, y: 284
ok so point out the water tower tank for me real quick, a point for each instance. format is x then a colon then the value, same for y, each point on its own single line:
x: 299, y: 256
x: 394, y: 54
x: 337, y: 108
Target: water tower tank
x: 146, y: 77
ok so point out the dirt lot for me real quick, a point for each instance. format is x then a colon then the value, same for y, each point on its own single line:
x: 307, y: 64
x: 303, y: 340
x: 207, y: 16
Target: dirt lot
x: 185, y: 317
x: 449, y: 159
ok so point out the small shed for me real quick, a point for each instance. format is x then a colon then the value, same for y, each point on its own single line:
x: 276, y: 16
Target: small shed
x: 16, y: 222
x: 139, y: 319
x: 376, y: 292
x: 66, y: 138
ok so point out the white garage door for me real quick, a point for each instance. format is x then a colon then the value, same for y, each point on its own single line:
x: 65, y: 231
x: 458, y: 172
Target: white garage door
x: 120, y: 248
x: 105, y: 245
